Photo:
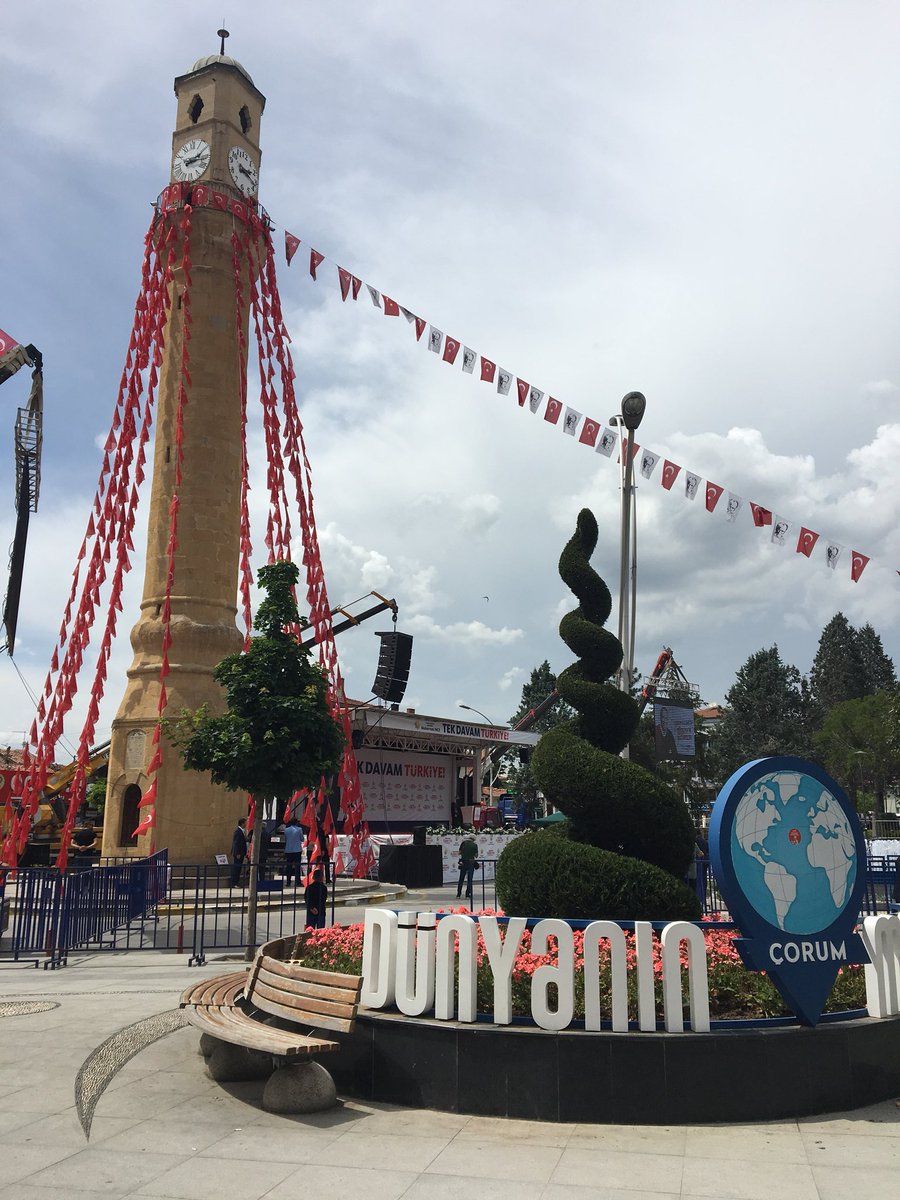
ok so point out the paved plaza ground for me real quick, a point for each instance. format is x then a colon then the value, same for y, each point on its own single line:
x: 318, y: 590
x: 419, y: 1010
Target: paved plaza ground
x: 164, y: 1129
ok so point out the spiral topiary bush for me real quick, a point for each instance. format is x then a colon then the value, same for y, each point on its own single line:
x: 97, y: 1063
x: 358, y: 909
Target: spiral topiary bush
x: 629, y: 838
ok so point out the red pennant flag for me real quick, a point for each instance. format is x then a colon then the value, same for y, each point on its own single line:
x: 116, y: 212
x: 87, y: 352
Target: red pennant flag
x: 713, y: 492
x: 291, y: 245
x: 761, y: 516
x: 451, y: 349
x: 346, y: 279
x: 420, y: 328
x: 589, y: 432
x: 315, y: 261
x: 857, y: 565
x: 524, y: 389
x: 669, y: 474
x: 806, y: 541
x: 488, y: 370
x: 391, y: 307
x: 356, y: 284
x: 554, y: 408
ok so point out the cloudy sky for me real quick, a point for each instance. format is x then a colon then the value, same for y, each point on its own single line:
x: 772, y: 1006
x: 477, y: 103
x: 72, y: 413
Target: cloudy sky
x: 698, y: 201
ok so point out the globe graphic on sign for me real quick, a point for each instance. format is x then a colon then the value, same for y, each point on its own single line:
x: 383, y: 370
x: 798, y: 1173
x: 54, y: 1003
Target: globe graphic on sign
x: 793, y: 850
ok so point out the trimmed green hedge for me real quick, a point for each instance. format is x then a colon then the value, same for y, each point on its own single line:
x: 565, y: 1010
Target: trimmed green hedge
x: 546, y: 874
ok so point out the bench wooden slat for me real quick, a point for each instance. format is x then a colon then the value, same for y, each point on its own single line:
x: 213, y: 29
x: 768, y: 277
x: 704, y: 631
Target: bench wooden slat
x: 233, y: 1025
x: 204, y: 991
x: 338, y: 1004
x: 302, y: 987
x: 289, y: 1008
x: 310, y: 974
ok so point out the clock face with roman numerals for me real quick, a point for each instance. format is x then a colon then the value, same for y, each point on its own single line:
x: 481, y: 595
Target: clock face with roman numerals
x: 191, y: 161
x: 243, y: 170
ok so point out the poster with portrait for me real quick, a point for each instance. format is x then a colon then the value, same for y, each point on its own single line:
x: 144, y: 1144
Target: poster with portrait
x: 673, y: 726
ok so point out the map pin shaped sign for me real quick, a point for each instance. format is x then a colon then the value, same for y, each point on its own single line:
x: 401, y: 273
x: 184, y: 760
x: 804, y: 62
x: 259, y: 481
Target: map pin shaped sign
x: 789, y: 856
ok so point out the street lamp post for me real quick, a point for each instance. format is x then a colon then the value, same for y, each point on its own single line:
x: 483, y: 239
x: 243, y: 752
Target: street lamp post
x: 627, y: 421
x: 480, y: 752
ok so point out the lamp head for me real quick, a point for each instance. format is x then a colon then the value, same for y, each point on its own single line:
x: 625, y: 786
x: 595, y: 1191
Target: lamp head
x: 633, y: 405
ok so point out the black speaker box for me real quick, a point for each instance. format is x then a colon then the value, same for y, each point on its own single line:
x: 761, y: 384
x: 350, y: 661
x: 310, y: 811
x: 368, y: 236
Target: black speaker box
x: 393, y: 666
x: 413, y: 866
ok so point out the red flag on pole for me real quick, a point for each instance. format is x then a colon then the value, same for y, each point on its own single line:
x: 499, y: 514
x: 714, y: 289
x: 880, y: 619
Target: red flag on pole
x: 291, y: 246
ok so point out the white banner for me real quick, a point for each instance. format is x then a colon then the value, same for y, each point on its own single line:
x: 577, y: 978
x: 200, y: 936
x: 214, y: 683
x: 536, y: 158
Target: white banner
x: 405, y: 786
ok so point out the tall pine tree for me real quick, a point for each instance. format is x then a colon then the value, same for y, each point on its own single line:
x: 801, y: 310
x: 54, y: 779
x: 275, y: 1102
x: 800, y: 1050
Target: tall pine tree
x: 767, y: 710
x: 878, y: 668
x: 517, y: 763
x: 837, y: 672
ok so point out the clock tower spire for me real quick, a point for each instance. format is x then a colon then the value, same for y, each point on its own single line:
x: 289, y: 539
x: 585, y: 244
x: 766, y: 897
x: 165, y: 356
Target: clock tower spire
x: 216, y: 143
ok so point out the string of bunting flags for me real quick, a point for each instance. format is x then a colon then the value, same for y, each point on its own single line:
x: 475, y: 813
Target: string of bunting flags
x: 602, y: 438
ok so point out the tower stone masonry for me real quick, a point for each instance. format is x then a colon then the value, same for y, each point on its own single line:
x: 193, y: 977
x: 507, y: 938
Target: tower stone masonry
x: 216, y: 142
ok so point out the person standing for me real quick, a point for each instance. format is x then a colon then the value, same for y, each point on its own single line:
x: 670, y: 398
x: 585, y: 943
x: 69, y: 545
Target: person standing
x: 468, y: 860
x: 293, y: 851
x: 238, y: 851
x: 316, y: 897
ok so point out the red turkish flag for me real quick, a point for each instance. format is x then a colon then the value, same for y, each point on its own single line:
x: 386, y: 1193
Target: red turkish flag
x: 221, y: 201
x: 761, y: 516
x: 420, y: 328
x: 669, y: 474
x: 451, y: 349
x: 391, y: 307
x: 589, y: 432
x: 488, y: 370
x: 315, y: 261
x: 713, y: 492
x: 806, y: 541
x: 200, y: 195
x: 291, y: 246
x: 346, y: 278
x: 553, y: 410
x: 523, y: 391
x: 7, y: 342
x: 858, y: 564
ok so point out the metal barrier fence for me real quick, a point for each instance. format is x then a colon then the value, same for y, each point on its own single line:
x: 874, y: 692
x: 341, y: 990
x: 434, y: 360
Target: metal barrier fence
x: 146, y: 904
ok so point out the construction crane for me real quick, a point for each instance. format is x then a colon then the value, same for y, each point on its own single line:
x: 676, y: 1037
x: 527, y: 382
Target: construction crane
x: 28, y: 444
x: 668, y: 677
x: 351, y: 619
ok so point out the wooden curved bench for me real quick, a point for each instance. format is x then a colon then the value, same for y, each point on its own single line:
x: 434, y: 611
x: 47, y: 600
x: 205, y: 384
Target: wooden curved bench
x: 234, y: 1007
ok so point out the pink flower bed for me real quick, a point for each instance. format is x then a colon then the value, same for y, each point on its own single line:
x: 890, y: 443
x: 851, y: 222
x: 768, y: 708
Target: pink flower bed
x: 734, y: 992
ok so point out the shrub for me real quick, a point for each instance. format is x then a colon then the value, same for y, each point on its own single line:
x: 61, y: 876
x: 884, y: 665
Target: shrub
x: 546, y: 874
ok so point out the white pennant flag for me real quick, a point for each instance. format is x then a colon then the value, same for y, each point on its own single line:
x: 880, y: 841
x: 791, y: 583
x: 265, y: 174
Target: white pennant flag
x: 832, y: 554
x: 376, y: 296
x: 735, y: 504
x: 570, y: 421
x: 435, y: 339
x: 469, y: 357
x: 409, y: 316
x: 691, y: 484
x: 504, y: 381
x: 535, y: 396
x: 780, y: 529
x: 606, y: 442
x: 648, y: 463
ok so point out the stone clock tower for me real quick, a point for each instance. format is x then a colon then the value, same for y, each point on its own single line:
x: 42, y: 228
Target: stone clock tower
x: 216, y: 142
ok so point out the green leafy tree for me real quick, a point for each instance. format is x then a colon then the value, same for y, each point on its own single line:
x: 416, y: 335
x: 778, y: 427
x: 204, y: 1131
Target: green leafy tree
x: 837, y: 672
x: 860, y: 745
x: 278, y: 734
x: 517, y: 770
x: 878, y: 667
x: 766, y: 713
x: 688, y: 777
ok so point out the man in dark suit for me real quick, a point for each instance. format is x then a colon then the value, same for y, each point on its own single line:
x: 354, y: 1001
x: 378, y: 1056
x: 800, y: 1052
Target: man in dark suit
x: 238, y: 851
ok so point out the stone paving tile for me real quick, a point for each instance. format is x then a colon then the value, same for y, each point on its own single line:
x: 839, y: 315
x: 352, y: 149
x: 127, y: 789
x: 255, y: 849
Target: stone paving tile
x: 29, y: 1191
x: 463, y: 1187
x: 638, y: 1139
x: 745, y: 1142
x: 64, y: 1129
x: 206, y: 1179
x: 348, y: 1183
x: 408, y: 1122
x: 492, y: 1159
x: 18, y: 1162
x: 383, y: 1151
x: 847, y: 1150
x: 101, y: 1171
x: 619, y: 1169
x: 557, y: 1191
x: 293, y: 1144
x: 856, y: 1183
x: 737, y: 1179
x: 164, y: 1137
x: 505, y: 1129
x: 877, y: 1119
